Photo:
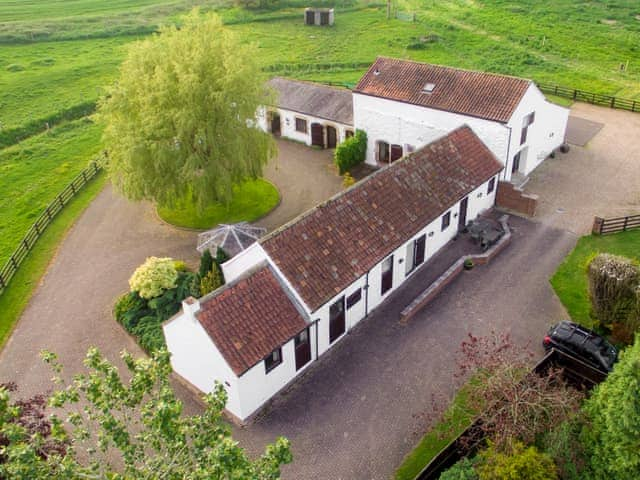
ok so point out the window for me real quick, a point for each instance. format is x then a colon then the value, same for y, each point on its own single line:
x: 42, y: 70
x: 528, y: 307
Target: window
x: 386, y: 279
x: 516, y: 162
x: 301, y: 125
x: 446, y: 220
x: 492, y: 185
x: 273, y: 360
x: 354, y: 298
x: 528, y: 120
x: 396, y: 152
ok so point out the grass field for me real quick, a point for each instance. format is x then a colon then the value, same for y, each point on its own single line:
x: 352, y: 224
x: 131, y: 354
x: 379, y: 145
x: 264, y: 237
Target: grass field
x: 570, y: 279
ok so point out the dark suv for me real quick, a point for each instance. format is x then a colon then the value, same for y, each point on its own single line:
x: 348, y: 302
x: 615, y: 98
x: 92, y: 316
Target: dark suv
x: 583, y: 343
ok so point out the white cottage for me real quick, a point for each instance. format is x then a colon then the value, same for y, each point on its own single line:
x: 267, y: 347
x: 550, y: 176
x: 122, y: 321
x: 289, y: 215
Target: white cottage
x: 403, y: 105
x: 299, y: 290
x: 307, y: 112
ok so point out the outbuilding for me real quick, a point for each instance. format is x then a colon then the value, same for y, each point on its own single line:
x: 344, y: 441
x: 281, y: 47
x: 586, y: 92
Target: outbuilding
x: 317, y: 115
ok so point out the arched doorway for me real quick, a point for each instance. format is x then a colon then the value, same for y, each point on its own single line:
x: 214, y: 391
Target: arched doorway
x: 332, y: 137
x: 317, y: 135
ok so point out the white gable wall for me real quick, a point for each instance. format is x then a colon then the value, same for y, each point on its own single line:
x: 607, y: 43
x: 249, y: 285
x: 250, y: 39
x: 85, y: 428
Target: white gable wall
x: 544, y: 135
x: 243, y: 262
x: 195, y: 357
x: 406, y: 124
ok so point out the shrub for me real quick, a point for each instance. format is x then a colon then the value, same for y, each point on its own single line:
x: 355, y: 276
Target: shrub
x: 613, y: 282
x: 212, y: 280
x: 563, y: 445
x: 612, y: 436
x: 462, y: 470
x: 523, y: 463
x: 180, y: 266
x: 206, y: 262
x: 153, y: 277
x: 351, y: 152
x: 347, y: 180
x: 129, y: 308
x: 221, y: 256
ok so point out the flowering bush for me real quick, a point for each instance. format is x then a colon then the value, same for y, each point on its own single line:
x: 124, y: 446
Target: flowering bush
x: 153, y: 277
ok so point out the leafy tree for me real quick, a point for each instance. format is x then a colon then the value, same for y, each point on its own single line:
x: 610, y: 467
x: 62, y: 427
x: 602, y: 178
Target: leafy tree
x: 521, y: 463
x: 130, y: 429
x: 179, y: 122
x: 512, y: 402
x: 153, y: 277
x: 206, y: 262
x: 613, y: 436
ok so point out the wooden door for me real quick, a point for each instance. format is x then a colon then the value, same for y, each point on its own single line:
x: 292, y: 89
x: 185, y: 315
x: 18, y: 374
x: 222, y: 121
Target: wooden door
x: 396, y: 152
x: 324, y: 18
x: 336, y: 320
x: 420, y: 248
x: 275, y: 124
x: 332, y: 137
x: 303, y: 348
x: 317, y: 135
x: 383, y: 152
x: 462, y: 215
x: 386, y: 276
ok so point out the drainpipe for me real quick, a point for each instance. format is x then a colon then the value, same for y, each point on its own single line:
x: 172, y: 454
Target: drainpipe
x: 506, y: 163
x: 366, y: 296
x: 316, y: 325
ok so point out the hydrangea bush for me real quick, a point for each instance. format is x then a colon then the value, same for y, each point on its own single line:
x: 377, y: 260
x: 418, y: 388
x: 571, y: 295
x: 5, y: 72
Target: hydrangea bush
x: 153, y: 277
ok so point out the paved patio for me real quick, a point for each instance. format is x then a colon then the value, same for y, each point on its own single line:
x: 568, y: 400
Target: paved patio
x: 600, y: 178
x: 364, y: 404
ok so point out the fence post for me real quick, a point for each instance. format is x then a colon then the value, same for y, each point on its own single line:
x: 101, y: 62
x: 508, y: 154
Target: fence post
x: 596, y: 229
x: 626, y: 220
x: 575, y: 94
x: 613, y: 102
x: 633, y: 107
x: 2, y: 282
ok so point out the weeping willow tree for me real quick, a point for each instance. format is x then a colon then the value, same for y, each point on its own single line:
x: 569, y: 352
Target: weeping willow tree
x: 179, y: 122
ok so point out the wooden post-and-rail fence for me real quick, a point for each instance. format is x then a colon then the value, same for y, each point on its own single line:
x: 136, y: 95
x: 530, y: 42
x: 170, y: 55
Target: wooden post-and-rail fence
x: 590, y: 97
x: 602, y: 226
x: 39, y: 226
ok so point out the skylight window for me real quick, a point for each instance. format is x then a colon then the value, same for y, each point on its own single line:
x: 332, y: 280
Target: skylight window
x: 428, y: 87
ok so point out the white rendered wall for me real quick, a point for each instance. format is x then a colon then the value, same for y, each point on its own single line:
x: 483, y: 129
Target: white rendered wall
x: 195, y: 357
x: 242, y: 262
x: 405, y: 124
x: 544, y: 135
x: 256, y: 386
x: 288, y: 124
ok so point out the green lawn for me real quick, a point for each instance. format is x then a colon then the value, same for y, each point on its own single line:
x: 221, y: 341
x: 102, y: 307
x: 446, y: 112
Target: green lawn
x: 251, y: 200
x: 570, y: 279
x: 454, y: 422
x: 34, y: 172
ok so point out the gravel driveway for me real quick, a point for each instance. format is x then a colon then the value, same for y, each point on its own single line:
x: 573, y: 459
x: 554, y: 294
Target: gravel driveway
x: 600, y: 178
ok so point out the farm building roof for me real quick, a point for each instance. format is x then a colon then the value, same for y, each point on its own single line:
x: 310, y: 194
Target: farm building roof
x: 308, y: 98
x: 332, y: 245
x: 250, y: 318
x: 477, y: 94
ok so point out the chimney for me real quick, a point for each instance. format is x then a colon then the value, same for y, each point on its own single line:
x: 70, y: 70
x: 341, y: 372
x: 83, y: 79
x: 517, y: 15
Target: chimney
x: 191, y: 306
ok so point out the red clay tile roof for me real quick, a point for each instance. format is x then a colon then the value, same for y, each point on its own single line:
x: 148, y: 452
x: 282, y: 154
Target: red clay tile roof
x: 477, y: 94
x: 250, y: 319
x: 331, y: 246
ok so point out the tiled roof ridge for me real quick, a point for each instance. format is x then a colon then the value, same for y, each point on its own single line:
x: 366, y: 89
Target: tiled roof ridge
x: 358, y: 184
x: 449, y: 67
x: 312, y: 83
